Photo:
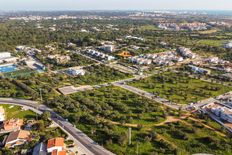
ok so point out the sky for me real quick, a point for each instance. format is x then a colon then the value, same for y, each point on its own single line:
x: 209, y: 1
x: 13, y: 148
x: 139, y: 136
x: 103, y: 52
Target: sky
x: 44, y: 5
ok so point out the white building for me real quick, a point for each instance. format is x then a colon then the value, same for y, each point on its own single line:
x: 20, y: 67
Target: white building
x: 223, y: 112
x: 220, y: 111
x: 76, y: 72
x: 186, y: 53
x: 2, y: 114
x: 228, y: 45
x: 213, y: 60
x: 56, y: 146
x: 17, y: 138
x: 108, y: 48
x: 100, y: 55
x: 109, y: 58
x: 4, y: 55
x: 199, y: 70
x: 135, y: 38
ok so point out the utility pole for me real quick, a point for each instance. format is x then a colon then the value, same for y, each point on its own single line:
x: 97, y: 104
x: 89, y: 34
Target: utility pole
x: 129, y: 135
x: 40, y: 92
x: 137, y: 149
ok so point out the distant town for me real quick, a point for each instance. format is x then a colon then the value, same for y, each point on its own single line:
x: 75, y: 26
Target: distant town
x: 115, y: 82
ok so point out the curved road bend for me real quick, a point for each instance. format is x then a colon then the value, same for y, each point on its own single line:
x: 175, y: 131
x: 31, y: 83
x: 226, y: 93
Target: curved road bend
x: 88, y: 144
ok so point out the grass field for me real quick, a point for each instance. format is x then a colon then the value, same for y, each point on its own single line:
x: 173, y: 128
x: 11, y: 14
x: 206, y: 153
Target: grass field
x: 17, y: 112
x: 180, y: 88
x: 209, y: 42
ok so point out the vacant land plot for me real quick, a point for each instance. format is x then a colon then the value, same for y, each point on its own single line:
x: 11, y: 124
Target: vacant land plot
x: 100, y: 74
x: 212, y: 42
x: 194, y: 138
x: 105, y: 114
x: 180, y: 88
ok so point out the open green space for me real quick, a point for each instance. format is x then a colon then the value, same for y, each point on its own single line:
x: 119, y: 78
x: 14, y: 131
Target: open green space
x: 98, y: 74
x: 210, y: 42
x: 106, y: 113
x: 13, y: 111
x: 194, y: 138
x: 180, y: 88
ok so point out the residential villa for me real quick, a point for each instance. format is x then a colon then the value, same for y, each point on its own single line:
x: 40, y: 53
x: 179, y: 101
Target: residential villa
x: 228, y: 45
x: 60, y: 58
x: 198, y: 70
x: 76, y: 72
x: 12, y: 124
x: 17, y: 138
x: 100, y: 55
x: 6, y: 57
x: 108, y: 48
x: 167, y: 58
x: 186, y: 53
x: 221, y: 111
x: 56, y: 146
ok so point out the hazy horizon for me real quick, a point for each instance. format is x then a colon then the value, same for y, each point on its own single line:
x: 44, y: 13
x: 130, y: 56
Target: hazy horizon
x: 117, y: 5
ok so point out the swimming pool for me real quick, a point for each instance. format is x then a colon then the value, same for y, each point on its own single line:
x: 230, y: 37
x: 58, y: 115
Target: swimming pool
x: 8, y: 68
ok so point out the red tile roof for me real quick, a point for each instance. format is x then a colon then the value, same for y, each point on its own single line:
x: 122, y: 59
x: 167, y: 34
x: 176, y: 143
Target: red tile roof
x: 55, y: 152
x: 55, y: 142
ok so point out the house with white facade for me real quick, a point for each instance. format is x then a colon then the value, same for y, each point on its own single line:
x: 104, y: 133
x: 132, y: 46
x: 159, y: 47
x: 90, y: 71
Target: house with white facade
x: 17, y: 138
x: 221, y: 111
x: 6, y: 57
x: 56, y: 146
x: 186, y: 53
x: 76, y: 72
x: 100, y: 55
x: 108, y: 48
x: 228, y: 45
x: 198, y: 70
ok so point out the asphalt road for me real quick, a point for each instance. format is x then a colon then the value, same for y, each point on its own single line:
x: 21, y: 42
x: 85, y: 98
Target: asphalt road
x: 149, y: 95
x: 91, y: 147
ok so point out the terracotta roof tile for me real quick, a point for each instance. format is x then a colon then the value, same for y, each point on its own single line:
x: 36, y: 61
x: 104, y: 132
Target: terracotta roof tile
x: 55, y: 142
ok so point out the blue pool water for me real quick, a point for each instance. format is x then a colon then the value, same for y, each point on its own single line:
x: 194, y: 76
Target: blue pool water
x: 9, y: 68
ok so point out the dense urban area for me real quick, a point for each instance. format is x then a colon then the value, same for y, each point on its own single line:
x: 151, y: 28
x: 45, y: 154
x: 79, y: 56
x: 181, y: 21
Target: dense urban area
x: 115, y: 82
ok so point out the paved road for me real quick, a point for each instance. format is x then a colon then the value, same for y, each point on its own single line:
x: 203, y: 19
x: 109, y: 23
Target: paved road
x: 149, y: 95
x: 88, y: 145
